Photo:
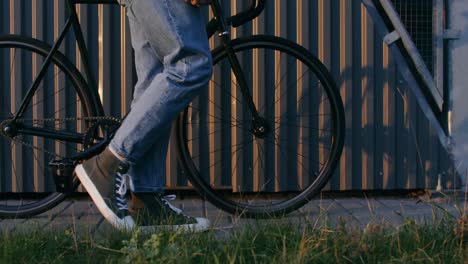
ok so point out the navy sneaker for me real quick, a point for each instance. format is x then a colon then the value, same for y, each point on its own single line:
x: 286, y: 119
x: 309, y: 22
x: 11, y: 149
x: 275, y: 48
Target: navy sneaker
x: 154, y: 213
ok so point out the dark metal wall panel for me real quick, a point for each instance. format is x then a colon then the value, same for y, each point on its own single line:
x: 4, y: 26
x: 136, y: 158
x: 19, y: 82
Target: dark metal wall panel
x: 389, y: 144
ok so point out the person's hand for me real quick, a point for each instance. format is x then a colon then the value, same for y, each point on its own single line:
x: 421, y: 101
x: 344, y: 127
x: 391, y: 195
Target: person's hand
x: 198, y: 2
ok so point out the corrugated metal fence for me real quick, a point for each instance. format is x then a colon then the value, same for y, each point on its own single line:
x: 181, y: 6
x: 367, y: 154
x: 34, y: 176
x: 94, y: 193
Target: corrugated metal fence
x: 389, y: 144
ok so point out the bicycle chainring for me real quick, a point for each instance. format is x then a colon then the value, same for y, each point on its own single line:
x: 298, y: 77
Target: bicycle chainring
x: 100, y: 132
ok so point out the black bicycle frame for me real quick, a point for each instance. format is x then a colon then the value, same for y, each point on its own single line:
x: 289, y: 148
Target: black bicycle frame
x: 218, y: 24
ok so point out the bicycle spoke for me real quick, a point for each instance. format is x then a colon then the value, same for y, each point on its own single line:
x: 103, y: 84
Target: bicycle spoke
x: 249, y: 202
x: 50, y: 95
x: 235, y: 167
x: 215, y: 117
x: 305, y: 143
x: 255, y: 162
x: 285, y: 156
x: 229, y: 92
x: 297, y: 126
x: 281, y: 80
x: 219, y: 161
x: 39, y: 164
x: 286, y: 90
x: 303, y: 116
x: 219, y: 107
x: 263, y: 162
x: 207, y: 135
x: 63, y: 108
x: 40, y: 86
x: 299, y: 154
x: 218, y: 150
x: 13, y: 167
x: 214, y: 122
x: 209, y: 100
x: 276, y: 86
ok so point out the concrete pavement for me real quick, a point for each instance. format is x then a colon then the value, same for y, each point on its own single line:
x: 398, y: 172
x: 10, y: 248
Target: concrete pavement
x: 80, y: 215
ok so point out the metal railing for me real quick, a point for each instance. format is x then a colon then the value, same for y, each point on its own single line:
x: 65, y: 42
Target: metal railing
x: 425, y: 74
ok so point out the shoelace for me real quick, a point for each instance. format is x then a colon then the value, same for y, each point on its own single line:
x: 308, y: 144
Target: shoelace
x: 165, y: 200
x: 121, y: 185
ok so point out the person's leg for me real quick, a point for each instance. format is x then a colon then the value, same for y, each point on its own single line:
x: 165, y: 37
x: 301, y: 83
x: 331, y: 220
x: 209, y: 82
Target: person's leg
x: 176, y: 31
x: 148, y: 173
x: 183, y: 49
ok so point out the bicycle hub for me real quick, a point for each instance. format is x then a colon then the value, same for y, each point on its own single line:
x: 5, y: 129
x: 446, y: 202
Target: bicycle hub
x: 9, y: 128
x: 260, y: 128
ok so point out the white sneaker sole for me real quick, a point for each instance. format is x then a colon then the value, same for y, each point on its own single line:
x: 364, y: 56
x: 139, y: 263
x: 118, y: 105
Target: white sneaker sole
x: 202, y: 225
x: 125, y: 223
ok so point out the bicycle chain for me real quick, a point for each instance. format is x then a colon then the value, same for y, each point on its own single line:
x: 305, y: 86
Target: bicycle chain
x: 55, y: 120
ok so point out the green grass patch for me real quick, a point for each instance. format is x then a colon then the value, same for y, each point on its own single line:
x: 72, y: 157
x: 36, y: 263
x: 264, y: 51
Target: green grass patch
x: 260, y: 242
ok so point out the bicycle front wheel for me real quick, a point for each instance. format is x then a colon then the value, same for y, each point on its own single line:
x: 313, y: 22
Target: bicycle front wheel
x: 275, y: 168
x: 58, y: 106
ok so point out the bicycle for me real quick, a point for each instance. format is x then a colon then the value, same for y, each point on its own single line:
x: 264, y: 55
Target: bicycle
x: 284, y: 122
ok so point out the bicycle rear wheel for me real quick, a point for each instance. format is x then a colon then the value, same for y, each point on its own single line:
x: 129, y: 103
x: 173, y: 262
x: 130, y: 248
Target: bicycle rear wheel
x: 26, y: 186
x: 274, y: 169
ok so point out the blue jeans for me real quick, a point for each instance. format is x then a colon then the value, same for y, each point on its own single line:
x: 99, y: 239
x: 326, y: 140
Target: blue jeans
x: 173, y: 64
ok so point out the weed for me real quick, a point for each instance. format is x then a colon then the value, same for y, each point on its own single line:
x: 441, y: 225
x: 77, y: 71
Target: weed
x: 441, y: 240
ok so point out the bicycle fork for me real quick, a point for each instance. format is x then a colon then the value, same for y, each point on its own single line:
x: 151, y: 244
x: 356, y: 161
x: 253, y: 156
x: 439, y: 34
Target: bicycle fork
x: 260, y: 126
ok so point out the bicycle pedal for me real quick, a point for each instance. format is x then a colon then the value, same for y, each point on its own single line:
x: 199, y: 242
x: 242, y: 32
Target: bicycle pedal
x: 62, y: 171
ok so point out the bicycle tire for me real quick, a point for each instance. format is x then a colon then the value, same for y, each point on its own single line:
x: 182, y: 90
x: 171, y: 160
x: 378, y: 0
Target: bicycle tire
x: 32, y: 188
x: 198, y: 133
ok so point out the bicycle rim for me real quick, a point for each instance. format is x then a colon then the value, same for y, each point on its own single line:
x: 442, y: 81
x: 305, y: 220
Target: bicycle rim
x: 271, y: 173
x: 26, y: 185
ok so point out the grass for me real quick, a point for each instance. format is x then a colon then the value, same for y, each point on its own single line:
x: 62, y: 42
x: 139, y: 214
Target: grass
x: 442, y: 241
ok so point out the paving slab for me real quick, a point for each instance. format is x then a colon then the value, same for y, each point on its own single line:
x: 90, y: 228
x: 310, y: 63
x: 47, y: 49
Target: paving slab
x: 351, y: 203
x: 80, y: 216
